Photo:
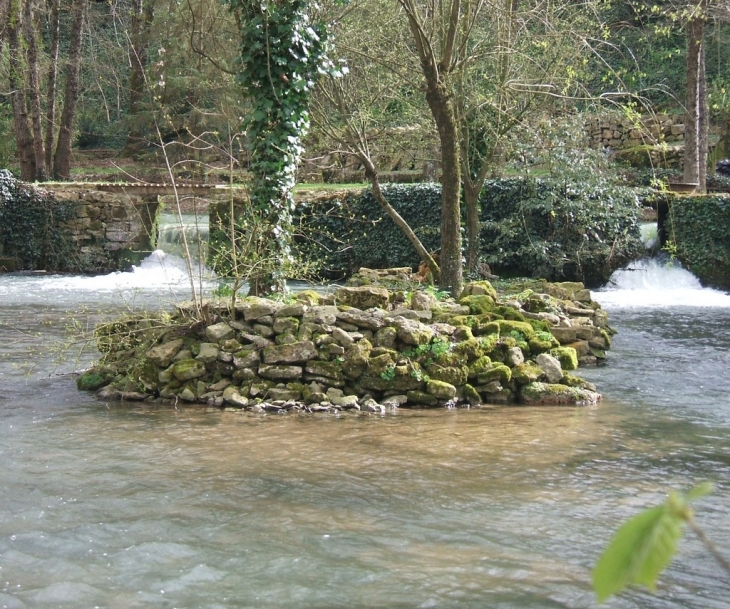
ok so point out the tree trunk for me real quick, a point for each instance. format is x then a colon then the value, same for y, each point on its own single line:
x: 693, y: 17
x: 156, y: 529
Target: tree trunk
x: 21, y: 123
x: 142, y: 17
x: 703, y: 123
x: 693, y: 111
x: 442, y: 109
x: 34, y: 90
x: 54, y: 25
x: 62, y: 158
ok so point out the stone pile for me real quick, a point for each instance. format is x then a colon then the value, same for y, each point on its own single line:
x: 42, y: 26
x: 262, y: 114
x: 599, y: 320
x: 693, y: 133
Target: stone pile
x: 360, y: 348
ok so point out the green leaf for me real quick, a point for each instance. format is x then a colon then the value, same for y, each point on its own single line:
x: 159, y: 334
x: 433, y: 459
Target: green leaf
x: 639, y: 551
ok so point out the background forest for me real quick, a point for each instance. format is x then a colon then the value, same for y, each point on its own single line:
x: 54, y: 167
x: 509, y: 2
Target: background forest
x: 366, y: 91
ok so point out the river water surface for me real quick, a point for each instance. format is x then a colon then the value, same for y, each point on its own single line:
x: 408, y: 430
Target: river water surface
x: 108, y: 505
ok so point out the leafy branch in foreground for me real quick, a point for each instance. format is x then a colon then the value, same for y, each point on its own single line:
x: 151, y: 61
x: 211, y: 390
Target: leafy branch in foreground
x: 645, y: 544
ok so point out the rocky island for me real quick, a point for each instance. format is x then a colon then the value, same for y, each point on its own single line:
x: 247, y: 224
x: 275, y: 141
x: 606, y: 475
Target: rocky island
x: 360, y: 347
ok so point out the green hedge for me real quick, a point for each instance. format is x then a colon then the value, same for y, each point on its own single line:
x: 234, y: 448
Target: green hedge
x: 530, y: 227
x: 30, y: 230
x: 558, y: 230
x: 699, y: 228
x: 343, y: 234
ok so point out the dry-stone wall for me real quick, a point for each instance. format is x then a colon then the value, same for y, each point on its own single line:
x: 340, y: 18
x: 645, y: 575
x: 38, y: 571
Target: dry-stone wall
x: 110, y: 230
x: 362, y: 348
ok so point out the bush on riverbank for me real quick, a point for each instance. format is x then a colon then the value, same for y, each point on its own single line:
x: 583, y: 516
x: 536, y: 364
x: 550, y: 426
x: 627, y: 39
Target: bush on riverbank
x: 31, y: 227
x: 548, y: 228
x: 361, y: 348
x: 699, y: 233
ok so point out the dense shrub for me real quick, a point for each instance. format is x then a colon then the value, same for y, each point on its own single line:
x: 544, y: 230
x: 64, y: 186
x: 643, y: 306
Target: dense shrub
x: 30, y: 227
x: 559, y: 230
x: 345, y: 233
x: 546, y: 227
x: 699, y: 229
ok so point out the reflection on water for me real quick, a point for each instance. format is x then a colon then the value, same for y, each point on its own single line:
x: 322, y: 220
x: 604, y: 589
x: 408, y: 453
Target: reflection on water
x: 121, y: 505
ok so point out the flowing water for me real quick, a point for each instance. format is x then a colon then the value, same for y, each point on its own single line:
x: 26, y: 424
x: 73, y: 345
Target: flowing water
x: 132, y: 505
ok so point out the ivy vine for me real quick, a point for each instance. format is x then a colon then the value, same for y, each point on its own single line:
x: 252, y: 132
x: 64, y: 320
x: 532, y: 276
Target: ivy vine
x: 32, y: 227
x: 281, y: 55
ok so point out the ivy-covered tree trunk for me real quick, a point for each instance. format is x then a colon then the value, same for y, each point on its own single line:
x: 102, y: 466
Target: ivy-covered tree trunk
x: 450, y: 260
x: 34, y: 90
x: 281, y: 55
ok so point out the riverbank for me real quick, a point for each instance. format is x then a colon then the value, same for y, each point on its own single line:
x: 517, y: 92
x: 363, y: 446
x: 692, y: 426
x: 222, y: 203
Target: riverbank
x: 365, y: 348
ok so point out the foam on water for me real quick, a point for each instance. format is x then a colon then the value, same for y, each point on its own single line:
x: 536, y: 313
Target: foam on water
x: 159, y: 273
x: 657, y: 284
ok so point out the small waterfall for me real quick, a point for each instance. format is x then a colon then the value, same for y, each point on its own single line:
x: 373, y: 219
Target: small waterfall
x: 172, y: 227
x: 658, y: 283
x: 650, y: 236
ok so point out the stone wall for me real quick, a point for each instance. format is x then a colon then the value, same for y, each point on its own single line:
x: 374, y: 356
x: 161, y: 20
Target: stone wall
x: 651, y: 141
x: 110, y: 230
x: 619, y: 132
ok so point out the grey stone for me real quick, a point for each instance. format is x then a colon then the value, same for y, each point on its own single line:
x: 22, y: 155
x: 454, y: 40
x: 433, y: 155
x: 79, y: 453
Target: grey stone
x: 255, y: 308
x: 219, y: 332
x: 368, y: 320
x: 363, y: 297
x: 422, y: 301
x: 324, y: 314
x: 246, y: 359
x: 280, y: 371
x: 208, y: 353
x: 294, y: 310
x: 231, y: 395
x: 342, y: 337
x: 264, y: 331
x: 514, y: 357
x: 412, y: 332
x: 162, y: 355
x: 287, y: 354
x: 550, y: 366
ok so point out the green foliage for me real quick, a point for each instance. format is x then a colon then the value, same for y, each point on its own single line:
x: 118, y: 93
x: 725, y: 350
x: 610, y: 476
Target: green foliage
x: 352, y: 231
x: 699, y: 232
x: 644, y: 545
x: 30, y: 227
x: 388, y: 374
x: 281, y: 55
x: 549, y: 227
x: 559, y: 230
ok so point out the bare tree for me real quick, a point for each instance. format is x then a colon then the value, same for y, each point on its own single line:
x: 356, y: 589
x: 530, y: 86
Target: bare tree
x: 62, y: 156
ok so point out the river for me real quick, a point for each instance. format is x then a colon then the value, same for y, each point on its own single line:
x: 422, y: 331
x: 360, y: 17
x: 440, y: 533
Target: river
x: 119, y: 506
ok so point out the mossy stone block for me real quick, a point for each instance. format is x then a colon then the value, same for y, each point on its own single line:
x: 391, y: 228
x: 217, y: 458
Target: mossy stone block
x: 567, y: 356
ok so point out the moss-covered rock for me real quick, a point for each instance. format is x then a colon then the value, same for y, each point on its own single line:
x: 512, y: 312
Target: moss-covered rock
x: 478, y: 305
x: 567, y: 357
x: 496, y: 372
x: 471, y: 395
x: 441, y: 390
x: 553, y: 394
x: 471, y: 349
x: 541, y: 342
x: 455, y: 375
x: 527, y: 373
x: 91, y: 381
x: 479, y: 366
x: 422, y: 398
x: 187, y: 369
x: 479, y: 288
